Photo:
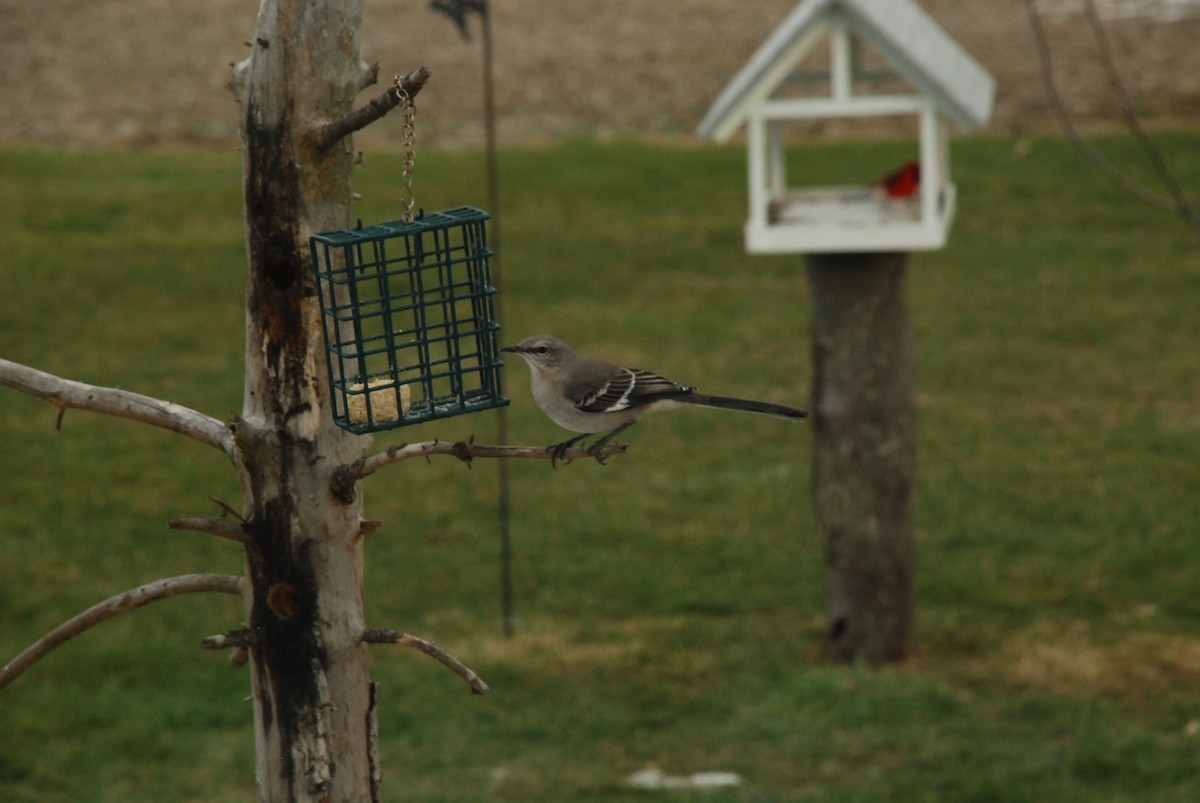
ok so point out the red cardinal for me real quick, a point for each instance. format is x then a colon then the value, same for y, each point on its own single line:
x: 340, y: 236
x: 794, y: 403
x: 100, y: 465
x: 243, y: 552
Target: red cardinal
x: 903, y: 182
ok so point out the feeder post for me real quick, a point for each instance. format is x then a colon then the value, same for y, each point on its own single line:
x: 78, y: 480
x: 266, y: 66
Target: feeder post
x: 857, y: 236
x: 864, y: 455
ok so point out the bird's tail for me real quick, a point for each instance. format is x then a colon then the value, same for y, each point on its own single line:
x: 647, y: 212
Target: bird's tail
x: 744, y: 405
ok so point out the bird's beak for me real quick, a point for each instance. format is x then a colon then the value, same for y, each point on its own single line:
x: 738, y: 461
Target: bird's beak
x: 513, y: 349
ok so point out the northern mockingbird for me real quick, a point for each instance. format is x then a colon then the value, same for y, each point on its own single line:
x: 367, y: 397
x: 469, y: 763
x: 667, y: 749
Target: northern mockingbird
x: 590, y: 396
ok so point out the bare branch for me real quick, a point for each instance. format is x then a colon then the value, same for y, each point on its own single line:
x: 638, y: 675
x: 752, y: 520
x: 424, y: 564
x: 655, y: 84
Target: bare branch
x: 226, y: 509
x: 1102, y: 162
x: 368, y: 75
x: 125, y: 601
x: 67, y: 393
x: 238, y: 642
x: 383, y: 635
x: 1182, y: 207
x: 239, y: 72
x: 243, y: 638
x: 469, y: 450
x: 220, y: 527
x: 342, y: 483
x: 326, y: 136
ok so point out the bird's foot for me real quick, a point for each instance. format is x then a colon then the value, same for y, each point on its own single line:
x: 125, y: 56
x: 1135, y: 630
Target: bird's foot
x: 559, y: 450
x: 594, y: 449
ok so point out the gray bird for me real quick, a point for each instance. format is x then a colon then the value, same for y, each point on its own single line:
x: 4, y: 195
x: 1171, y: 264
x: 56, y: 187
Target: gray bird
x: 591, y: 396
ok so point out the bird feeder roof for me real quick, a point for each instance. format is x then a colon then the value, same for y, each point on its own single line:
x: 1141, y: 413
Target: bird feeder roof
x: 908, y: 38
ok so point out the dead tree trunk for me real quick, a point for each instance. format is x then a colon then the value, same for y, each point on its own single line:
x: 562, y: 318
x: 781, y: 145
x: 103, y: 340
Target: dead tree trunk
x: 304, y: 560
x: 864, y: 424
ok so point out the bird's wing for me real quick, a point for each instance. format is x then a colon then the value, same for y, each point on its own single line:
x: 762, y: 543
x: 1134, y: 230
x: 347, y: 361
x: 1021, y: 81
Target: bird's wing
x: 625, y: 388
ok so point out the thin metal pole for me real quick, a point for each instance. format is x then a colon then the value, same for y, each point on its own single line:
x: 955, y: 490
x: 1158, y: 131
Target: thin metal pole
x: 493, y: 184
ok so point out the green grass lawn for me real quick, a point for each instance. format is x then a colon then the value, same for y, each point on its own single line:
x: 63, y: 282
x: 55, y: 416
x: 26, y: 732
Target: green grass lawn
x: 669, y: 604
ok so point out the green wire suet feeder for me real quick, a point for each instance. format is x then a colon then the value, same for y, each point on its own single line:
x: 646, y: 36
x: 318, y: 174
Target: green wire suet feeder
x: 409, y: 322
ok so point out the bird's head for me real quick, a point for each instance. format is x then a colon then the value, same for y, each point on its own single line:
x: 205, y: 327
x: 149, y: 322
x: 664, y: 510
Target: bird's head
x: 542, y: 352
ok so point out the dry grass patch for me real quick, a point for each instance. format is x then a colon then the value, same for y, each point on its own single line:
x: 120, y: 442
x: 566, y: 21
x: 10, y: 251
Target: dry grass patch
x: 547, y: 642
x: 1133, y: 668
x: 626, y: 646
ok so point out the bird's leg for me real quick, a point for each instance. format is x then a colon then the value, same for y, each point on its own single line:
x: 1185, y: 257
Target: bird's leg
x: 558, y: 450
x: 594, y: 449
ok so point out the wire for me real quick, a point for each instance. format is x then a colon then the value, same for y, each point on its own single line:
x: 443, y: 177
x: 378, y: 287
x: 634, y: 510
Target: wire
x: 1177, y: 203
x: 1182, y: 207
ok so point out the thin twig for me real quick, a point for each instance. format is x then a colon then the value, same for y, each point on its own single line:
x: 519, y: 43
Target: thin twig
x: 368, y: 75
x: 113, y: 606
x: 326, y: 136
x: 67, y: 393
x: 1102, y: 162
x: 233, y: 639
x: 220, y: 527
x: 227, y: 509
x: 1182, y: 207
x: 384, y: 635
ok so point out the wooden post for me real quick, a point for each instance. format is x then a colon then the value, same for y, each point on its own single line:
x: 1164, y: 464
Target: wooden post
x: 864, y: 422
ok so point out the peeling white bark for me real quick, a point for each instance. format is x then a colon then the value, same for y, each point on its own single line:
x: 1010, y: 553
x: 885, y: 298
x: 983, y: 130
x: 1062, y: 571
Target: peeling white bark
x: 114, y: 606
x: 68, y: 394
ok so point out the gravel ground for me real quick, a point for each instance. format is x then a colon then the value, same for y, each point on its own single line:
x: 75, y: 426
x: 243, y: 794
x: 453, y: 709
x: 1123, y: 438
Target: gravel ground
x: 140, y: 72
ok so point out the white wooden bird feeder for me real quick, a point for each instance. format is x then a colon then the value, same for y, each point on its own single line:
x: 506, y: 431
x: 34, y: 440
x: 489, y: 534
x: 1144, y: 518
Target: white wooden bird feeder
x: 874, y: 59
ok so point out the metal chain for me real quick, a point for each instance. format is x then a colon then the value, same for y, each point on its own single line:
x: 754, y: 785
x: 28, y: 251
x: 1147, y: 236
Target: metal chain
x: 409, y: 116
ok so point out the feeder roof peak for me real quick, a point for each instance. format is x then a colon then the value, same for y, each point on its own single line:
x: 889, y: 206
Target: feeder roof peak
x: 899, y: 30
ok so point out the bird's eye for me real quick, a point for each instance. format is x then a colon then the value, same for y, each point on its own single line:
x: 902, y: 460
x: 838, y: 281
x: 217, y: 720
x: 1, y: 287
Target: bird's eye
x: 542, y: 349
